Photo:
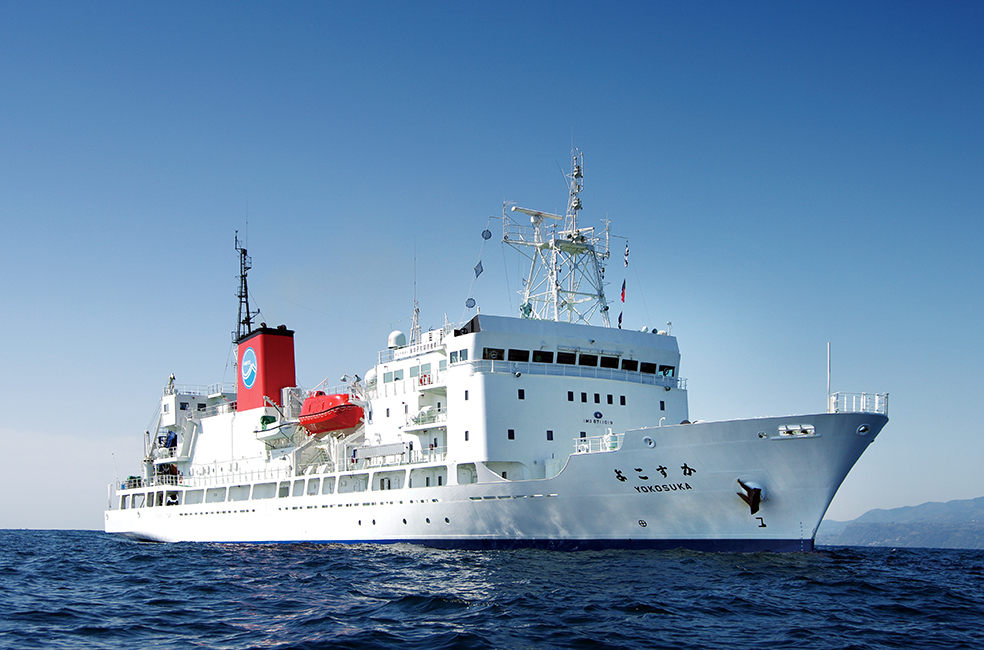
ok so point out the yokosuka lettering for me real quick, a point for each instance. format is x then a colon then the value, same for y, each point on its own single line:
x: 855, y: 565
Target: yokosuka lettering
x: 674, y: 487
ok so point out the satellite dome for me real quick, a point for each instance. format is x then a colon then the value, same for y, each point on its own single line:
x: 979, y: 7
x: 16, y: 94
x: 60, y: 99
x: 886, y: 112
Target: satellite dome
x: 397, y: 339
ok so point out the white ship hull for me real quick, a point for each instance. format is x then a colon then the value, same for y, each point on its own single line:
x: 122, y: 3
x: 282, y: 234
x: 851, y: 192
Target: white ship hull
x: 586, y: 506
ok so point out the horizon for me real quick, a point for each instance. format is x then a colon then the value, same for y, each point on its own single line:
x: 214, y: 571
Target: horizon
x: 786, y: 176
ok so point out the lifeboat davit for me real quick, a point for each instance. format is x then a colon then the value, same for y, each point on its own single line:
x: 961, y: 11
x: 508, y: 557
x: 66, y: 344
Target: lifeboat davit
x: 321, y: 413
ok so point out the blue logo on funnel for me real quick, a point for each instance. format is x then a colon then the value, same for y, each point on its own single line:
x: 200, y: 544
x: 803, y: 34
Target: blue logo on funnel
x: 248, y: 368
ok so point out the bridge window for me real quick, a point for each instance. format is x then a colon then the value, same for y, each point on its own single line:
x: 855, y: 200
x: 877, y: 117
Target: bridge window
x: 588, y: 360
x: 493, y: 354
x: 609, y: 362
x: 650, y: 368
x: 630, y: 364
x: 542, y: 356
x: 566, y: 358
x: 667, y: 371
x: 519, y: 355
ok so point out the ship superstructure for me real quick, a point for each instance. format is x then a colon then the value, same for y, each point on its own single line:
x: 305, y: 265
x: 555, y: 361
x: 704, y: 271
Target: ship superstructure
x: 541, y: 430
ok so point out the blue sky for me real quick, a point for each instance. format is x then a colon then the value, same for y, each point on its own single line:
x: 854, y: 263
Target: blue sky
x: 787, y: 174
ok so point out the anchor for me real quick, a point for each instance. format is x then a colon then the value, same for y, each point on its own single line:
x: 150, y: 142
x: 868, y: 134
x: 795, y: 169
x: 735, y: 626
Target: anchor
x: 752, y: 495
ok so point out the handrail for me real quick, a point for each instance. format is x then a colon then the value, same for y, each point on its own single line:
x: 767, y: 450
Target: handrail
x: 596, y: 444
x: 858, y: 403
x: 199, y: 389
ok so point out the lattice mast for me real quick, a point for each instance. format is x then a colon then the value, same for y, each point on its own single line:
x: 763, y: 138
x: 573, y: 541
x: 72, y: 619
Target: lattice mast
x: 566, y: 280
x: 245, y: 325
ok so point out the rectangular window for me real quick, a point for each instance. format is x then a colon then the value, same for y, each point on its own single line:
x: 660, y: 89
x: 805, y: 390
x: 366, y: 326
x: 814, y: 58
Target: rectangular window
x: 549, y: 435
x: 503, y: 473
x: 454, y: 357
x: 511, y: 434
x: 466, y: 436
x: 647, y: 367
x: 584, y: 434
x: 397, y: 375
x: 567, y: 358
x: 414, y: 371
x: 542, y: 356
x: 662, y: 405
x: 463, y: 355
x: 667, y: 371
x: 621, y: 400
x: 442, y: 364
x: 519, y: 355
x: 588, y: 360
x: 425, y: 369
x: 201, y: 407
x: 629, y: 364
x: 493, y: 354
x: 522, y: 394
x: 387, y: 412
x: 584, y: 398
x: 570, y: 396
x: 609, y: 362
x: 184, y: 406
x: 466, y: 395
x: 387, y: 377
x: 597, y: 398
x: 440, y: 480
x: 610, y: 399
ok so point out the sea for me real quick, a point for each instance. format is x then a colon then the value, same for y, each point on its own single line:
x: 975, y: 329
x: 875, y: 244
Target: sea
x: 87, y: 589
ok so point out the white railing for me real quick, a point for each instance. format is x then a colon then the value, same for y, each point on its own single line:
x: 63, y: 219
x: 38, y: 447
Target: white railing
x: 858, y: 403
x: 430, y: 417
x: 431, y: 378
x: 595, y: 444
x: 210, y: 480
x: 197, y: 389
x: 415, y: 457
x: 161, y: 453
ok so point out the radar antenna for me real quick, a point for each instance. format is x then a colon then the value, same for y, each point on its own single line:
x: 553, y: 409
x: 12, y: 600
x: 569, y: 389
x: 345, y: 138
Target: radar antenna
x: 246, y: 316
x: 566, y: 280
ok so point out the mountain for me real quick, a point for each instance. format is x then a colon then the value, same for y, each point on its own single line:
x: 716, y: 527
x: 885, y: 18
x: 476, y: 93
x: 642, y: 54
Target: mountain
x: 954, y: 524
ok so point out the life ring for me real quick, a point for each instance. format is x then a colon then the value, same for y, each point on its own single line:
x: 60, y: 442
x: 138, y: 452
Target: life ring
x: 582, y: 448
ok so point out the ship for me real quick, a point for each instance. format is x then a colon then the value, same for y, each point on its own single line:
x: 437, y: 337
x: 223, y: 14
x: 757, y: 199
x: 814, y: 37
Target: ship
x: 547, y: 429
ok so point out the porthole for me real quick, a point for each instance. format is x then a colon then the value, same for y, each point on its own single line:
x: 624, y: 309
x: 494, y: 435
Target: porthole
x: 863, y: 430
x: 649, y: 442
x: 404, y: 522
x: 428, y: 520
x: 763, y: 435
x: 447, y: 521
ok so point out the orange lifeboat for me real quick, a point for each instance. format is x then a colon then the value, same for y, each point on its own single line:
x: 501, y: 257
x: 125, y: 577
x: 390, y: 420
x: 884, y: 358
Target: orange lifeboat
x: 321, y: 413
